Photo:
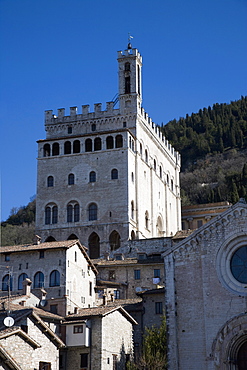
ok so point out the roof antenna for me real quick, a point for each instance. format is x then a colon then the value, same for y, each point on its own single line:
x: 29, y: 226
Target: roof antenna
x: 129, y: 41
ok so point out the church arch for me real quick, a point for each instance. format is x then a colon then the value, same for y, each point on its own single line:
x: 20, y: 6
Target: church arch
x: 114, y: 240
x: 72, y: 237
x: 94, y: 245
x: 50, y: 239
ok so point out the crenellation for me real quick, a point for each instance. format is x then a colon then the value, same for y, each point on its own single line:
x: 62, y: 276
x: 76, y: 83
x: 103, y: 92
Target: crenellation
x: 60, y: 113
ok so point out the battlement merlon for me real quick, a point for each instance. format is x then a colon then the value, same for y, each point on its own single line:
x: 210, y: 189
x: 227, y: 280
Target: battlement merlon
x: 128, y: 53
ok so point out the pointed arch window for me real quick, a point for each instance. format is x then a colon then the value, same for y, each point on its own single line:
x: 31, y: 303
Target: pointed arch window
x: 161, y: 172
x: 54, y: 278
x: 132, y: 210
x: 67, y: 147
x: 7, y: 282
x: 92, y: 212
x: 88, y: 145
x: 39, y: 280
x: 146, y: 156
x: 155, y: 165
x: 127, y: 85
x: 94, y: 245
x: 114, y: 240
x: 21, y: 278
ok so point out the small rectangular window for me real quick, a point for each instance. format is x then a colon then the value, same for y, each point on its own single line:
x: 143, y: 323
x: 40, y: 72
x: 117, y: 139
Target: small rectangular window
x: 53, y: 308
x: 84, y: 360
x: 7, y: 257
x: 41, y: 254
x: 19, y: 266
x: 78, y: 329
x: 158, y: 308
x: 156, y: 273
x: 70, y: 130
x: 27, y: 265
x: 137, y: 274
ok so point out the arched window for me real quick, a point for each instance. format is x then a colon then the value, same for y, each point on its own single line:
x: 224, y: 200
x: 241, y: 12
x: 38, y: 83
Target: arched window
x: 146, y: 220
x: 93, y: 127
x: 21, y: 278
x: 119, y: 141
x: 132, y: 210
x: 109, y: 142
x: 133, y: 235
x: 46, y: 150
x: 76, y: 146
x: 54, y: 214
x: 130, y: 142
x: 67, y: 147
x: 141, y: 150
x: 127, y: 66
x: 39, y: 280
x: 132, y: 177
x: 76, y: 212
x: 50, y: 181
x: 88, y: 145
x: 133, y: 145
x: 127, y: 85
x: 92, y: 212
x: 51, y: 214
x: 71, y: 179
x: 160, y: 172
x: 55, y: 149
x: 114, y: 174
x: 97, y: 143
x: 159, y: 227
x: 92, y: 176
x: 94, y: 245
x: 47, y: 215
x: 167, y: 180
x: 73, y: 212
x: 7, y: 282
x: 154, y: 165
x: 146, y: 156
x: 172, y: 185
x: 54, y: 278
x: 70, y: 213
x: 114, y: 240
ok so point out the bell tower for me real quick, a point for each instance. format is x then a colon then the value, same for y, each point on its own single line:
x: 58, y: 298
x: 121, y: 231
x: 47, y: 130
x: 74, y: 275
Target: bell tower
x: 130, y: 80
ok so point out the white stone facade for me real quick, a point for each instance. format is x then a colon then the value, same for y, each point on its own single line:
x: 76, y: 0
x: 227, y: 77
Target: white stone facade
x: 107, y: 176
x: 65, y: 273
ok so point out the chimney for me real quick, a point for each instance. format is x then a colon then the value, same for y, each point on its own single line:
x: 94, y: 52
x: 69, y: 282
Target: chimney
x: 37, y: 239
x: 26, y: 286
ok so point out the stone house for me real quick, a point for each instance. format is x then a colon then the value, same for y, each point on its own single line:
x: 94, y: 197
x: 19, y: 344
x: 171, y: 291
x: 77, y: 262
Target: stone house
x: 62, y: 274
x: 32, y: 343
x: 98, y: 338
x: 205, y: 285
x: 123, y: 278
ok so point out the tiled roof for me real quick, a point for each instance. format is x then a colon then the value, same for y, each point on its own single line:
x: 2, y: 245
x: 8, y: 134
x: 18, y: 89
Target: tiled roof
x: 100, y: 311
x: 30, y: 247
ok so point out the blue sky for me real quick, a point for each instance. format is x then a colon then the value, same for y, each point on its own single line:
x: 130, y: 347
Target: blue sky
x: 58, y: 54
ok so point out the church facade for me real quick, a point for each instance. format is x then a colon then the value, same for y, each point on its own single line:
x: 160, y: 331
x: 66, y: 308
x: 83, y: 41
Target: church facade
x: 206, y: 290
x: 107, y: 176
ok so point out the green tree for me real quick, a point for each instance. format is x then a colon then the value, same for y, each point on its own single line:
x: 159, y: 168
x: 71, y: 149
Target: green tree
x: 154, y: 350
